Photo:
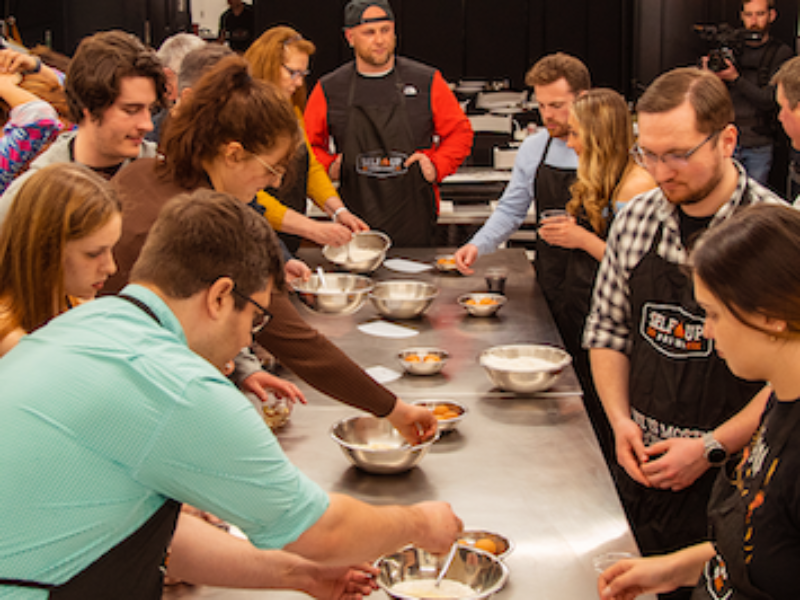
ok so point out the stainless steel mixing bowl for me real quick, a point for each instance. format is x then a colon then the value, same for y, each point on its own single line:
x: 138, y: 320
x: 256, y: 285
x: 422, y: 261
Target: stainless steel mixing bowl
x: 374, y: 445
x: 483, y: 572
x: 423, y: 361
x: 402, y: 299
x: 482, y: 304
x: 363, y: 254
x: 508, y: 372
x: 342, y: 294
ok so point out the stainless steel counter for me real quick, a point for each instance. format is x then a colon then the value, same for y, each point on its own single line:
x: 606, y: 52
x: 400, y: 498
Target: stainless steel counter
x: 528, y: 468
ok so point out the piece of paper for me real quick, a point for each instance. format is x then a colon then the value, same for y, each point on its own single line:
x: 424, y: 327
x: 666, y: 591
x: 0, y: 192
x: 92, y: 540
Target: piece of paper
x: 387, y: 330
x: 406, y: 266
x: 383, y: 374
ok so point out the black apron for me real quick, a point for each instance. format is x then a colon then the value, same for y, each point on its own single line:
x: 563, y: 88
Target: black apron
x: 670, y: 355
x: 374, y: 183
x: 131, y: 570
x: 551, y: 190
x: 727, y: 514
x: 293, y: 193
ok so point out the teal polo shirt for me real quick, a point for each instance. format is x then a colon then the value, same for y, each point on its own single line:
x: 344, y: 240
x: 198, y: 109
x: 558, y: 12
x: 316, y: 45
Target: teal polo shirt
x: 105, y: 414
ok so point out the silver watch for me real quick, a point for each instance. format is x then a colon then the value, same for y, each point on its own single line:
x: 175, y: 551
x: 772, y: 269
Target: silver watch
x: 714, y: 452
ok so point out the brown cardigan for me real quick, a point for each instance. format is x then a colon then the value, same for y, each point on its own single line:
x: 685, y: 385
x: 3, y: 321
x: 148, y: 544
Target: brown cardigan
x: 298, y: 346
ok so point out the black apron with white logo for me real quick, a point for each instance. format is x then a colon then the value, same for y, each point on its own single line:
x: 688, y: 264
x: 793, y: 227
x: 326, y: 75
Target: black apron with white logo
x: 375, y: 184
x: 131, y: 570
x: 293, y: 192
x: 679, y: 387
x: 551, y: 190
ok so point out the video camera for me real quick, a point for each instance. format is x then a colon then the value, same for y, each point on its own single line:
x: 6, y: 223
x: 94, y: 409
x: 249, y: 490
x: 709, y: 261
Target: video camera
x: 726, y: 43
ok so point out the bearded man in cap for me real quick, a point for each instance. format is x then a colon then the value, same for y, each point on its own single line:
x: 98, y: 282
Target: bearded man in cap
x: 397, y: 129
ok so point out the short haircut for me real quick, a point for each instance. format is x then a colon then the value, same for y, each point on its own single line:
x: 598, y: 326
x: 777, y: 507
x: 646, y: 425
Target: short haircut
x: 56, y: 204
x: 553, y: 67
x: 704, y: 91
x: 770, y: 4
x: 100, y: 64
x: 201, y: 236
x: 788, y: 76
x: 227, y: 105
x: 266, y: 57
x: 173, y: 49
x: 198, y: 62
x: 749, y: 263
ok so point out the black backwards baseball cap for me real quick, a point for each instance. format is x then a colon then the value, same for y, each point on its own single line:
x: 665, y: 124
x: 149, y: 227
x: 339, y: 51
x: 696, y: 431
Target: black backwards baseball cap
x: 354, y: 12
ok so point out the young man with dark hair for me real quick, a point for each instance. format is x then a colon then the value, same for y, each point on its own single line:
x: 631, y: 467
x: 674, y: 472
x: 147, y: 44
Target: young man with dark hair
x: 113, y: 83
x: 787, y: 94
x: 676, y: 410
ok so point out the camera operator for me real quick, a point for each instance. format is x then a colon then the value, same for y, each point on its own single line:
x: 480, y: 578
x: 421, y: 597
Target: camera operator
x: 748, y: 83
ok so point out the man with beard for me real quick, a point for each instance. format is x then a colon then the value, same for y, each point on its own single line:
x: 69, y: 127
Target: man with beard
x: 676, y: 410
x: 397, y: 128
x: 787, y: 94
x: 748, y: 81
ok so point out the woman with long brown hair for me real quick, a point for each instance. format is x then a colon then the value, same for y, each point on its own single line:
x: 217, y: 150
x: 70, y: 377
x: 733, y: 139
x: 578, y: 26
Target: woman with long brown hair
x: 281, y: 56
x: 55, y: 247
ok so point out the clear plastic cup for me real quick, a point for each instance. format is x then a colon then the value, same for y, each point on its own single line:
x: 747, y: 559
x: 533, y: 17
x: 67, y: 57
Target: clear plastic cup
x: 601, y: 562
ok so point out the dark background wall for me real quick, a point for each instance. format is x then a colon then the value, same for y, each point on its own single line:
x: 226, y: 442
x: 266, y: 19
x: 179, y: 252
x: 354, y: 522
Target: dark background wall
x: 625, y: 43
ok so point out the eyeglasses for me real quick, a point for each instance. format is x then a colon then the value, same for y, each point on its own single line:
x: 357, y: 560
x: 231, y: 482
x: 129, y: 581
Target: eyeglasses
x: 648, y: 160
x: 296, y: 74
x: 260, y: 318
x: 275, y: 172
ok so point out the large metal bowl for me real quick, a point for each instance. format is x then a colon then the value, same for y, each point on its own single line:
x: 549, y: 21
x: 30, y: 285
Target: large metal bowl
x: 524, y: 368
x: 342, y: 294
x: 402, y: 299
x: 375, y: 446
x: 363, y: 254
x: 481, y: 571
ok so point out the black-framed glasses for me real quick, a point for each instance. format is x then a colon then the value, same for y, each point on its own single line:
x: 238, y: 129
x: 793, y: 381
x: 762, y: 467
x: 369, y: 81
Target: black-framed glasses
x: 296, y: 74
x: 672, y: 160
x: 262, y: 315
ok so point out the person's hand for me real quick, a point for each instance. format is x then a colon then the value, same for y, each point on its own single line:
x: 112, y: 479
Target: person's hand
x: 352, y: 222
x: 439, y: 526
x: 631, y: 451
x: 341, y: 583
x: 729, y: 73
x: 415, y: 423
x: 564, y: 232
x: 296, y: 269
x: 16, y: 62
x: 335, y: 170
x: 330, y: 234
x: 465, y: 258
x: 630, y: 578
x: 425, y: 165
x: 680, y: 462
x: 261, y: 382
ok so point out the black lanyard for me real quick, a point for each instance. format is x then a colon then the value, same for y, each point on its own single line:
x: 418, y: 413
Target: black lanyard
x: 138, y: 303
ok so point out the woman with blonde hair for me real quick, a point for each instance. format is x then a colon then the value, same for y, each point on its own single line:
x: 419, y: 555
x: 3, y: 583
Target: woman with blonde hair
x: 601, y: 133
x: 281, y: 56
x: 55, y: 247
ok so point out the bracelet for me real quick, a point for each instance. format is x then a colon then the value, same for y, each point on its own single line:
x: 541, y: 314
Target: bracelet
x: 337, y: 212
x: 35, y: 69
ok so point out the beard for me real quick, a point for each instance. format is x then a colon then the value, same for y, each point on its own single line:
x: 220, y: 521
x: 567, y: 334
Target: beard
x: 700, y: 194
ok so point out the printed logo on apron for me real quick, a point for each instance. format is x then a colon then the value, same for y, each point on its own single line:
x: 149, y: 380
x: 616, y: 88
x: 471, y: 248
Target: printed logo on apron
x: 381, y: 165
x: 673, y: 331
x: 716, y: 575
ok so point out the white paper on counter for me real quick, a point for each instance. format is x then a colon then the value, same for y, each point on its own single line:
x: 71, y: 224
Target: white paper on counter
x: 383, y: 374
x: 406, y: 266
x: 387, y: 330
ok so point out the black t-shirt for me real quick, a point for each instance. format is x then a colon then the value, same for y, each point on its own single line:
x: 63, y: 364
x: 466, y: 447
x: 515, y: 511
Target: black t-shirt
x: 239, y: 30
x: 692, y: 227
x: 772, y: 544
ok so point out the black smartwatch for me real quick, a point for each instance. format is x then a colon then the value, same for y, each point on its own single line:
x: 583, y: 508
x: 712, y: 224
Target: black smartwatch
x: 713, y: 451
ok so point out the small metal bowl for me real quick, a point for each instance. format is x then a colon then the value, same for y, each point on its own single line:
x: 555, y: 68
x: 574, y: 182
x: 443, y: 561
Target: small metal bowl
x: 446, y: 263
x: 524, y: 368
x: 481, y: 571
x: 423, y: 361
x: 503, y: 545
x: 342, y: 294
x: 481, y: 304
x: 363, y: 254
x: 374, y: 445
x: 441, y: 408
x: 402, y: 299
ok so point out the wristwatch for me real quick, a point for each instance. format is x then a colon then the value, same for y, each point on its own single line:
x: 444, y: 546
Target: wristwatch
x: 713, y: 451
